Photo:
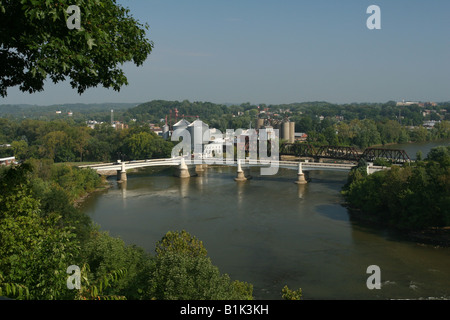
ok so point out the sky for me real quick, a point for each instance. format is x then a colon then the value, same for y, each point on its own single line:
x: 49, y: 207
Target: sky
x: 276, y: 52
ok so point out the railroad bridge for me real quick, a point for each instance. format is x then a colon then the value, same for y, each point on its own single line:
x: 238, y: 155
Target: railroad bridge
x: 396, y: 156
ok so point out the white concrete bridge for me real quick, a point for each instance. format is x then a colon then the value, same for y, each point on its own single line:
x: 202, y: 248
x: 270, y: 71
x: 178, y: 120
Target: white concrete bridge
x: 182, y: 165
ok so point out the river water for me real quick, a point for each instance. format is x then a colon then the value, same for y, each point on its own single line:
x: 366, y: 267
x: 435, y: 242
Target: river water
x: 412, y: 148
x: 271, y: 232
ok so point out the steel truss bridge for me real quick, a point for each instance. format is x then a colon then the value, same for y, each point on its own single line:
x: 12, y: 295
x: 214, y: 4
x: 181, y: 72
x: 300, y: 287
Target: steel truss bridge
x: 343, y: 153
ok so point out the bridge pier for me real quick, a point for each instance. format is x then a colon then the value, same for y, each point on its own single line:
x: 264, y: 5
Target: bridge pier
x: 122, y: 174
x: 300, y: 175
x: 183, y: 171
x: 200, y: 167
x: 240, y: 173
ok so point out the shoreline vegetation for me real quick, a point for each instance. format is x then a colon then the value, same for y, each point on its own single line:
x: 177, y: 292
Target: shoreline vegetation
x: 411, y: 200
x: 78, y: 203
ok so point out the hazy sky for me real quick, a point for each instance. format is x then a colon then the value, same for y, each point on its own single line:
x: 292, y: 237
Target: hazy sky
x: 267, y: 51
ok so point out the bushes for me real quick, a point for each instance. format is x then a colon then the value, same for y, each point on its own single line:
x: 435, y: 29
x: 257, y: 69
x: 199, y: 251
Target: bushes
x: 176, y: 272
x: 182, y: 271
x: 413, y: 198
x: 105, y: 254
x: 76, y: 182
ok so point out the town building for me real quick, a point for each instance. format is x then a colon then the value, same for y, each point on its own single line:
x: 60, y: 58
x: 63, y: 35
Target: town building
x: 7, y: 161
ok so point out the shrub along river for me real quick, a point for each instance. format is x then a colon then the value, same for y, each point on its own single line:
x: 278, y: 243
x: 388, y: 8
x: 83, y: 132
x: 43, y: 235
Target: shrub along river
x: 271, y: 232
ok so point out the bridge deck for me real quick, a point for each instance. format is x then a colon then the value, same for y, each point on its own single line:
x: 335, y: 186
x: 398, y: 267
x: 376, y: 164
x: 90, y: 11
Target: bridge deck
x: 306, y: 166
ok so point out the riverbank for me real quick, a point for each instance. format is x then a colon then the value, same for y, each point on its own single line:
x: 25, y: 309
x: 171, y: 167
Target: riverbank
x: 104, y: 187
x: 434, y: 236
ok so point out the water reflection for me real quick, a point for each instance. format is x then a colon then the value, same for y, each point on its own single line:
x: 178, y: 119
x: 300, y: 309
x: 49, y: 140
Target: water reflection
x: 301, y: 188
x: 240, y: 185
x: 123, y: 190
x: 184, y: 189
x: 201, y: 180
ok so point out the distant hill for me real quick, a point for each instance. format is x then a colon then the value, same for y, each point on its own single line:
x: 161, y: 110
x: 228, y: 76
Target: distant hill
x: 36, y: 111
x: 159, y: 109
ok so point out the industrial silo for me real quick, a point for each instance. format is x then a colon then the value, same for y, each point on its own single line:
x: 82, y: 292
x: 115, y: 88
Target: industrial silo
x: 291, y: 132
x: 182, y: 124
x: 260, y: 124
x: 199, y: 133
x: 285, y: 130
x: 165, y: 132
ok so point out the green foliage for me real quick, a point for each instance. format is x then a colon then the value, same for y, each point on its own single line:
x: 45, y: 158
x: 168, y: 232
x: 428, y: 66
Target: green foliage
x: 75, y: 181
x: 35, y: 253
x: 146, y: 145
x: 441, y: 155
x: 105, y: 255
x: 61, y: 141
x: 36, y: 44
x: 16, y: 196
x: 13, y: 290
x: 382, y: 162
x: 179, y: 276
x: 96, y: 290
x: 182, y: 271
x: 180, y: 242
x: 288, y: 294
x: 411, y: 197
x: 20, y: 149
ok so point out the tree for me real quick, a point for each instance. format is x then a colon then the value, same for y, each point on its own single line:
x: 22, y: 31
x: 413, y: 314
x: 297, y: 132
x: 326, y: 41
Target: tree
x: 56, y: 146
x: 390, y: 131
x: 146, y: 145
x: 105, y: 255
x: 80, y: 137
x: 406, y: 198
x: 15, y: 192
x: 182, y: 271
x: 34, y: 250
x: 180, y: 242
x: 419, y: 134
x: 288, y: 294
x: 440, y: 154
x: 20, y: 148
x: 36, y: 44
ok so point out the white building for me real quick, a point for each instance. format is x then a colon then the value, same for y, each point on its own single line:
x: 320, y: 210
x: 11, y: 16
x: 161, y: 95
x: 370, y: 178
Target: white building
x: 7, y: 161
x: 213, y: 149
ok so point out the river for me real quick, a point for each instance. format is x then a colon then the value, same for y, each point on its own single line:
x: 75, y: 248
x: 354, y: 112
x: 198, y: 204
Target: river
x: 271, y: 232
x: 412, y: 148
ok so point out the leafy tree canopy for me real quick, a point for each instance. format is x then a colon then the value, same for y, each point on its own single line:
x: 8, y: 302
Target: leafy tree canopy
x: 36, y: 43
